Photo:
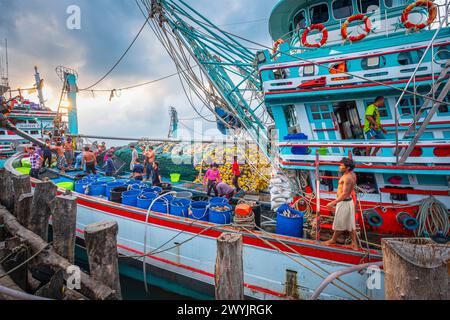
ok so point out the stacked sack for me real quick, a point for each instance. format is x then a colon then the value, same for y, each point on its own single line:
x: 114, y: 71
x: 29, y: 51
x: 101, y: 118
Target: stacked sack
x: 280, y: 191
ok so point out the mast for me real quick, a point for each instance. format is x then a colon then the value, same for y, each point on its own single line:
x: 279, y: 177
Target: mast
x: 39, y: 85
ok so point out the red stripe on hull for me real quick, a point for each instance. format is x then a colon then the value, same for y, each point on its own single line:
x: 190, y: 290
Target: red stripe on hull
x: 307, y: 248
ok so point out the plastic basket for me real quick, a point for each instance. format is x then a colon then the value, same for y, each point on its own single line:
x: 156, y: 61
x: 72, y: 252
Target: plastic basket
x: 175, y: 177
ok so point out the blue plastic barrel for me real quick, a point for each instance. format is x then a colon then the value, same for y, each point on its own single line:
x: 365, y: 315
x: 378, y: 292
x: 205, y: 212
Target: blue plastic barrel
x: 289, y: 226
x: 220, y: 217
x: 145, y: 199
x: 199, y: 210
x: 97, y: 189
x: 106, y: 179
x: 180, y: 207
x: 130, y: 197
x: 158, y: 190
x: 162, y: 205
x: 218, y: 200
x: 80, y: 186
x: 112, y: 185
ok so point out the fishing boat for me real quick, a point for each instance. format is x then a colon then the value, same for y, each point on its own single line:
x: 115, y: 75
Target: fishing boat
x: 308, y: 96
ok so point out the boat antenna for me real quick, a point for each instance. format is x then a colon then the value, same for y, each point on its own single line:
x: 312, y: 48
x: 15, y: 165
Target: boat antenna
x: 7, y: 67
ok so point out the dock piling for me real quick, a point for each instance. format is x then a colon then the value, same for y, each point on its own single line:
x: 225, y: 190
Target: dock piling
x: 415, y: 269
x: 42, y: 208
x: 229, y: 270
x: 101, y: 246
x: 64, y: 226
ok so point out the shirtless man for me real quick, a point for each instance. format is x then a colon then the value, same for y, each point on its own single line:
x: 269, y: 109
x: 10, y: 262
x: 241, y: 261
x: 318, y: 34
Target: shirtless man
x: 61, y: 162
x: 68, y: 152
x: 90, y: 160
x: 344, y: 218
x: 148, y: 164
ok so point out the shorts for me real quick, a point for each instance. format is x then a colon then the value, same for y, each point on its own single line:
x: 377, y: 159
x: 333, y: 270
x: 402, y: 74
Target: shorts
x: 344, y: 218
x: 375, y: 134
x: 61, y: 163
x: 69, y: 156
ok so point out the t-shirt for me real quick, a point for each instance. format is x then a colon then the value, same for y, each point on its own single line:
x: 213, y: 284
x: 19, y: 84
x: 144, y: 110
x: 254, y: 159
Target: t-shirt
x: 47, y: 151
x: 372, y: 110
x: 156, y: 180
x: 134, y: 155
x: 138, y: 168
x: 223, y: 188
x: 109, y: 166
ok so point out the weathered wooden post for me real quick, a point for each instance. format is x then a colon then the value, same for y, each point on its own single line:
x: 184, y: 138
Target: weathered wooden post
x: 416, y: 269
x: 229, y: 271
x: 41, y: 208
x: 22, y: 196
x: 64, y: 226
x: 101, y: 246
x: 6, y: 192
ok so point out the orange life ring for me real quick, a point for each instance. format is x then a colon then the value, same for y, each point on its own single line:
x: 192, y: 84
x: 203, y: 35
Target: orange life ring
x: 319, y: 27
x: 367, y: 23
x: 432, y: 14
x: 276, y: 45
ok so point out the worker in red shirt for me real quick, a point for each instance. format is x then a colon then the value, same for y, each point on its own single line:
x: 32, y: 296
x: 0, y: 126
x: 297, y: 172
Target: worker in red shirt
x: 236, y: 174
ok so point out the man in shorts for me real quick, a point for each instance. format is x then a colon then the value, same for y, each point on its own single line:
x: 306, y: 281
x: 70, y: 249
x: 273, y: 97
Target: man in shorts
x: 372, y: 124
x: 90, y: 160
x: 61, y: 162
x: 344, y: 217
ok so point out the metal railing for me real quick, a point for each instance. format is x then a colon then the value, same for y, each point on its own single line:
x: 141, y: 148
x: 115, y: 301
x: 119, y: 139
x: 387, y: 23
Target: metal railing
x: 413, y: 77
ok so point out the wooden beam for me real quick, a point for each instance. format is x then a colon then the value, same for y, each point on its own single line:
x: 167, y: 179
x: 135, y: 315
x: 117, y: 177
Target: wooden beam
x: 41, y: 208
x: 229, y: 270
x: 415, y: 269
x: 101, y: 246
x: 89, y: 287
x: 64, y: 225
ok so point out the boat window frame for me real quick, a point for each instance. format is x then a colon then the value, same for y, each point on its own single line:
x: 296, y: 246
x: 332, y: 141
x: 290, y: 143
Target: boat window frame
x: 291, y: 115
x: 444, y: 113
x: 393, y: 7
x: 338, y: 19
x: 410, y: 106
x: 316, y: 5
x: 359, y: 6
x: 306, y: 16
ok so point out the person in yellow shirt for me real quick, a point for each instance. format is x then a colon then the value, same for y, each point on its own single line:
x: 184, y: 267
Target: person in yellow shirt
x: 372, y: 124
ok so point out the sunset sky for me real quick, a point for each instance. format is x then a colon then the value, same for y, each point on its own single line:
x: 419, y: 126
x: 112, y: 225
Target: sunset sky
x: 37, y: 35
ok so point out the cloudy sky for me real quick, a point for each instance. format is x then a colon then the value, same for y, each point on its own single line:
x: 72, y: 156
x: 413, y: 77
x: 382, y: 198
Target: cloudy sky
x: 37, y: 35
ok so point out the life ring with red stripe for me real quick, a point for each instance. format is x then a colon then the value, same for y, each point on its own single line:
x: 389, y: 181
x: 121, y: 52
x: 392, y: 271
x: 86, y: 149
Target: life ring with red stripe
x: 432, y: 14
x: 319, y: 27
x: 367, y: 27
x: 276, y: 45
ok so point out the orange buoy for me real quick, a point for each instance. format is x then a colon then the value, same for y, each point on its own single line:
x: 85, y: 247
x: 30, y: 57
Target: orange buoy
x: 243, y: 210
x: 432, y: 14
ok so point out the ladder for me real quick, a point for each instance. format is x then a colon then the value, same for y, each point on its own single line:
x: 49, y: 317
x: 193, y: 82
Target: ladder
x: 441, y: 86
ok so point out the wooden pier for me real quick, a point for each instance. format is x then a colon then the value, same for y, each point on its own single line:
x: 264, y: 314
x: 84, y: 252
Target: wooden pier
x: 33, y: 268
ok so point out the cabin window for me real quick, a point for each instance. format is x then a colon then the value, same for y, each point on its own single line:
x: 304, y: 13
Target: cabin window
x: 290, y: 114
x: 373, y: 63
x: 300, y: 21
x: 368, y: 6
x: 342, y: 9
x: 443, y: 53
x: 367, y: 182
x: 395, y: 3
x: 444, y: 109
x: 319, y: 13
x: 34, y: 132
x: 309, y: 70
x: 2, y: 133
x: 281, y: 74
x: 320, y: 112
x: 406, y: 106
x: 32, y: 121
x: 410, y: 57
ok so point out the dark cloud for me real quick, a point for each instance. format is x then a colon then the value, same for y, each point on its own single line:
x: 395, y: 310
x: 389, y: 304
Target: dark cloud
x: 37, y: 35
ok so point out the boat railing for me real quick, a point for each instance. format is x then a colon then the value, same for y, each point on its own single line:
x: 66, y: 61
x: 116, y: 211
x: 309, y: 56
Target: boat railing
x: 387, y: 30
x: 442, y: 23
x: 427, y: 152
